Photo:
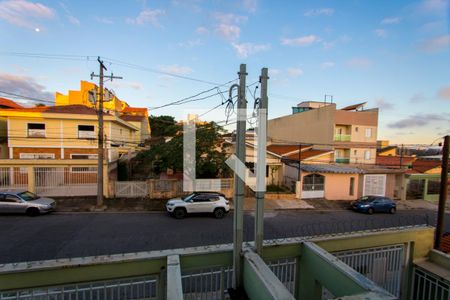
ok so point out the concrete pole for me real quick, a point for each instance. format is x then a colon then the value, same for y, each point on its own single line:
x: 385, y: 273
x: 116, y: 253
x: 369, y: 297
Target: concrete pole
x: 100, y: 138
x: 261, y: 162
x: 239, y: 184
x: 443, y: 193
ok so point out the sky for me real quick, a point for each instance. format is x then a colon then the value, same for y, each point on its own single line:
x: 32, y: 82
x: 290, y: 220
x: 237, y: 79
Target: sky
x: 394, y: 55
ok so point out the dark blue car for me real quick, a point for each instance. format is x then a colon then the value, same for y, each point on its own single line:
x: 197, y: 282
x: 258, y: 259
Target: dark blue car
x: 371, y: 204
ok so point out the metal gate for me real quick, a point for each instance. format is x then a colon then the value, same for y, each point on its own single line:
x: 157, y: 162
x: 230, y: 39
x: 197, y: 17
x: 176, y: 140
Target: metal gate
x: 66, y: 181
x: 131, y: 189
x: 427, y: 286
x: 382, y: 265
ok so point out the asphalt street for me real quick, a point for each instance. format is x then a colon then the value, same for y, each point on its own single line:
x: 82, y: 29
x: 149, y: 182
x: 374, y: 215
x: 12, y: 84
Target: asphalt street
x: 88, y: 234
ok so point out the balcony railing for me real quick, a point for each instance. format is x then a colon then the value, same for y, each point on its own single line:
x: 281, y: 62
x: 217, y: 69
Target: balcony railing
x: 342, y: 137
x: 343, y: 160
x: 288, y: 268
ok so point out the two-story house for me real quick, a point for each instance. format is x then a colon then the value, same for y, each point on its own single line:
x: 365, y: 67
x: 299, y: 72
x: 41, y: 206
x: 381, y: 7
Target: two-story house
x: 351, y: 132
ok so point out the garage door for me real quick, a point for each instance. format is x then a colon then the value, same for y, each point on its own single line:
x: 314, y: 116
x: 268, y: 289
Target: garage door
x: 374, y: 185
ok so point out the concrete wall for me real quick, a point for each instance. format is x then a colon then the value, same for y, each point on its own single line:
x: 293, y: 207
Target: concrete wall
x: 314, y: 126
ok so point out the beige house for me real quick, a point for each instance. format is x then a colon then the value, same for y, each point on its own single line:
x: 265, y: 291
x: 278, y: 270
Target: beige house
x: 350, y: 132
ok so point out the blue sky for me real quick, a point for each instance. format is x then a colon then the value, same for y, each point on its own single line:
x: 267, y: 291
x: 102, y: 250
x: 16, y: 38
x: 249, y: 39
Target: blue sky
x: 393, y: 54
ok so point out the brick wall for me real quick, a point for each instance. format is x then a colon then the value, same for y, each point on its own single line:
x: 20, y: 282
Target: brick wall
x: 67, y: 152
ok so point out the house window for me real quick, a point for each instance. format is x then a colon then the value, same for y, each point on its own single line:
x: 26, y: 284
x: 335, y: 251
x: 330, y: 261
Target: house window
x: 313, y: 182
x: 83, y: 156
x: 367, y: 155
x: 352, y: 186
x: 368, y: 132
x: 37, y: 156
x: 86, y: 132
x: 83, y: 169
x: 36, y: 130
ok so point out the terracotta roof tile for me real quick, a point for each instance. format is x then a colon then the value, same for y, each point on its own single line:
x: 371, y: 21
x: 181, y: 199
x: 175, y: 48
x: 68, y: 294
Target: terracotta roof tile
x: 282, y: 149
x: 394, y: 161
x: 60, y: 109
x: 9, y: 103
x: 134, y: 109
x: 422, y: 166
x: 132, y: 118
x: 307, y: 154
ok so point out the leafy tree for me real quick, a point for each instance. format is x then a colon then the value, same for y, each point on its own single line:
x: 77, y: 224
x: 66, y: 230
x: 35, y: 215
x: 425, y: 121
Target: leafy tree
x: 210, y: 153
x: 163, y: 126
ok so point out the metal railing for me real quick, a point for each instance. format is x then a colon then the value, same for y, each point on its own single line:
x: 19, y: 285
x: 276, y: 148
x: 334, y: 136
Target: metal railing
x: 286, y: 271
x: 427, y: 286
x: 342, y: 137
x: 120, y: 289
x: 65, y: 181
x: 211, y: 283
x: 13, y: 178
x: 383, y: 265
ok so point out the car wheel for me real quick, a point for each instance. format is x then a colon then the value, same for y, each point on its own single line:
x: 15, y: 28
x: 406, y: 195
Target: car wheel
x: 32, y: 212
x: 219, y: 213
x: 179, y: 213
x: 370, y: 211
x: 392, y: 210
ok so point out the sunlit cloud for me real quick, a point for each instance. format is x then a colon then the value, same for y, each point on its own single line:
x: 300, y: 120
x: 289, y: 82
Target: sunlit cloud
x: 359, y: 63
x: 302, y: 41
x: 244, y: 50
x: 25, y: 14
x: 319, y: 11
x: 147, y: 16
x: 391, y: 20
x: 435, y: 44
x: 295, y: 72
x: 381, y: 33
x: 176, y: 69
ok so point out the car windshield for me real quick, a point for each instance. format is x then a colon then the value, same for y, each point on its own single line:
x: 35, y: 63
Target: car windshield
x: 28, y: 196
x: 188, y: 197
x: 366, y: 199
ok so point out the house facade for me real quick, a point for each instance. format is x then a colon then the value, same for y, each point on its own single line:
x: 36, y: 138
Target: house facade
x: 350, y: 132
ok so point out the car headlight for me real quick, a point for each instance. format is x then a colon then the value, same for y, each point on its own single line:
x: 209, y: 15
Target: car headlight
x: 170, y: 204
x: 364, y: 205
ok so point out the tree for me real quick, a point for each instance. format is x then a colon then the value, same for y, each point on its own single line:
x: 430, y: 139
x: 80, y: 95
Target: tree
x: 210, y: 153
x: 163, y: 126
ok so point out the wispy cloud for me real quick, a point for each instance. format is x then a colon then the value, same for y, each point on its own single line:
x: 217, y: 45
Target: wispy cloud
x: 434, y: 6
x: 327, y: 65
x: 381, y: 33
x: 359, y: 63
x: 435, y: 44
x: 176, y: 69
x: 244, y: 50
x: 419, y: 120
x: 382, y: 104
x: 201, y: 30
x: 227, y: 25
x: 295, y: 72
x: 104, y: 20
x: 24, y: 85
x: 127, y: 84
x: 147, y: 16
x: 302, y: 41
x: 25, y: 14
x: 319, y: 11
x: 444, y: 93
x: 390, y: 20
x: 417, y: 98
x: 190, y: 44
x: 250, y: 5
x: 70, y: 17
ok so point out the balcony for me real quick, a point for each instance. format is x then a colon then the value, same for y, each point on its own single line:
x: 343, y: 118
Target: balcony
x: 383, y: 264
x: 340, y: 160
x: 342, y: 137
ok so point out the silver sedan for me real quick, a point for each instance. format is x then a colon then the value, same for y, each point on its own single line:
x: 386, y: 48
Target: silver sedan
x: 23, y: 201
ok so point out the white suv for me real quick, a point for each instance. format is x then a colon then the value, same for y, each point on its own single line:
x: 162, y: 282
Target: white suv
x: 199, y: 202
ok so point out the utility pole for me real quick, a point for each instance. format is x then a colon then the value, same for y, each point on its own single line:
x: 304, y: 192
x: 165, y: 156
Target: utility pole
x: 401, y: 156
x: 299, y: 161
x: 100, y: 150
x: 261, y: 162
x: 443, y: 193
x: 239, y: 184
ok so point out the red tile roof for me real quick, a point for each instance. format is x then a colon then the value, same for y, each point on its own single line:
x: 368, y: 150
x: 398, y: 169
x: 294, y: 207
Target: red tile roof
x: 9, y: 103
x: 282, y: 149
x: 394, y: 161
x: 132, y: 118
x: 422, y: 166
x: 307, y: 154
x: 60, y: 109
x: 134, y: 109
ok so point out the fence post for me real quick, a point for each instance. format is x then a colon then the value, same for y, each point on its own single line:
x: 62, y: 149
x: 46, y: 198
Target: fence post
x: 31, y: 179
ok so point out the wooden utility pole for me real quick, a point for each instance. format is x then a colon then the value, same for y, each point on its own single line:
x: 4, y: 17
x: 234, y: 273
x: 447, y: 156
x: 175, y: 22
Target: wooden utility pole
x: 100, y: 150
x: 443, y: 193
x: 401, y: 156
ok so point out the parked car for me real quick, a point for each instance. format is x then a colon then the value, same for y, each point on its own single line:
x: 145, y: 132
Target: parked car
x: 23, y: 201
x: 199, y: 202
x: 371, y: 204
